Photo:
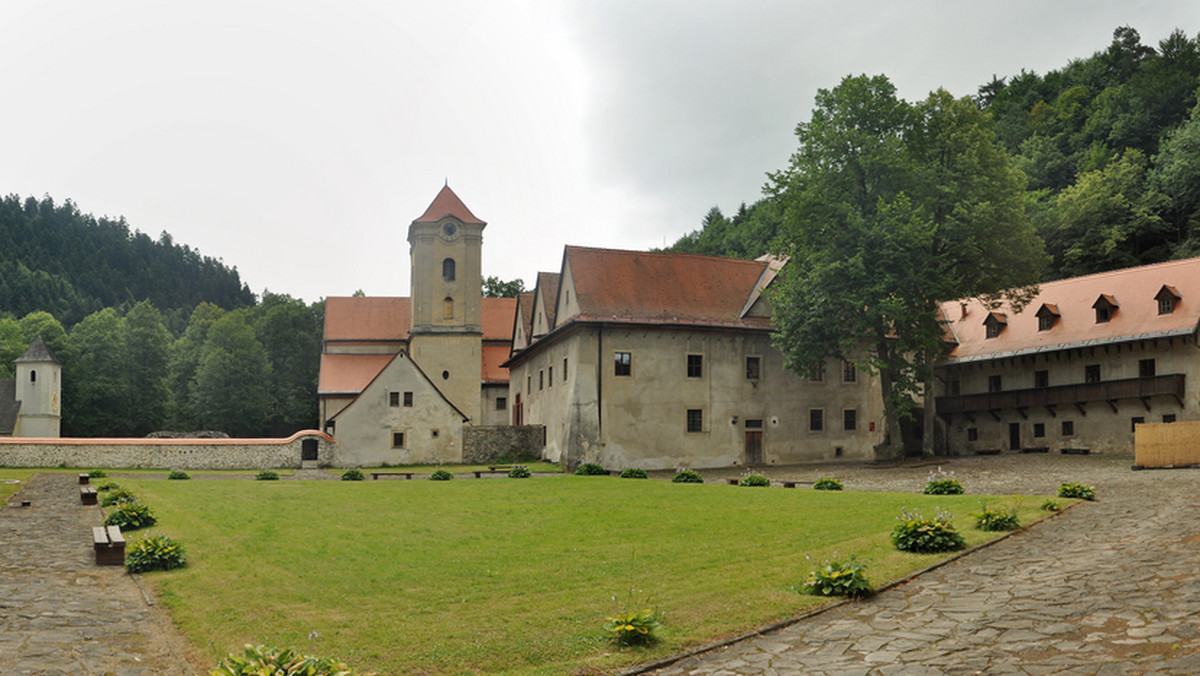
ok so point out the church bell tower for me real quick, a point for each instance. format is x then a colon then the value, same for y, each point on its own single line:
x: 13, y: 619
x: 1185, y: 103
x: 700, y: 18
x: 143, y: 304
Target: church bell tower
x: 446, y: 336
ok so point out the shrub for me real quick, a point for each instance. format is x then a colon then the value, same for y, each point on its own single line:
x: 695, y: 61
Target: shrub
x: 847, y: 580
x: 827, y: 484
x: 267, y: 475
x: 917, y: 534
x: 943, y: 483
x: 635, y: 628
x: 1075, y: 490
x: 97, y: 474
x: 178, y: 475
x: 353, y: 474
x: 131, y: 516
x: 687, y: 476
x: 1051, y: 506
x: 155, y: 552
x: 633, y: 473
x: 519, y: 472
x: 260, y: 659
x: 590, y: 469
x: 754, y: 480
x: 516, y: 456
x: 996, y: 519
x: 118, y: 496
x: 107, y: 486
x: 440, y: 475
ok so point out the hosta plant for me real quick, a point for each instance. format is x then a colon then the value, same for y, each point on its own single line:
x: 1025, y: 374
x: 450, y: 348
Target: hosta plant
x: 118, y: 496
x: 687, y: 476
x: 633, y: 473
x: 835, y: 578
x: 353, y: 474
x: 827, y: 484
x: 267, y: 475
x: 131, y: 516
x: 754, y: 480
x: 108, y: 486
x: 179, y: 475
x: 590, y: 469
x: 268, y: 661
x: 155, y: 552
x: 1076, y: 490
x: 97, y: 474
x: 996, y: 519
x: 636, y: 628
x: 942, y: 483
x: 1051, y: 506
x: 918, y: 534
x: 519, y: 472
x: 440, y: 475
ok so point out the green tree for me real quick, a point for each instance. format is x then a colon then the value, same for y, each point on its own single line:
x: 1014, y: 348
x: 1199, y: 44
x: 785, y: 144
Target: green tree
x: 230, y: 390
x: 1175, y: 180
x: 290, y: 332
x: 41, y: 323
x: 890, y: 207
x: 95, y: 386
x: 494, y: 287
x: 185, y: 359
x: 147, y: 353
x: 12, y: 344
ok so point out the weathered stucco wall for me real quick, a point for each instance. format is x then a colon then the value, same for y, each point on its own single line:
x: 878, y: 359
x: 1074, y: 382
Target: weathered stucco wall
x: 485, y: 444
x: 165, y: 453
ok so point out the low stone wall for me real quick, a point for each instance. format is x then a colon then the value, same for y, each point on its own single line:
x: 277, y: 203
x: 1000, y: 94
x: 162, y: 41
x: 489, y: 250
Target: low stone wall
x: 165, y: 453
x: 485, y: 444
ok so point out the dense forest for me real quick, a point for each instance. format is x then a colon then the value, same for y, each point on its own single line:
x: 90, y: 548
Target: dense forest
x: 1109, y: 145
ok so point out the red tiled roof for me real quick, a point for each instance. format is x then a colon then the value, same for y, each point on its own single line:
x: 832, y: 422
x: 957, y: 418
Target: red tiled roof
x: 493, y: 357
x: 367, y: 318
x: 526, y: 319
x: 349, y: 373
x: 447, y: 204
x: 548, y: 284
x: 1131, y: 291
x: 663, y: 288
x: 497, y: 318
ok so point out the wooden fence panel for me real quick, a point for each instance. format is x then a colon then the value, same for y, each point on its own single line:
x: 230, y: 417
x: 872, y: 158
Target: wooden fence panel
x: 1174, y: 444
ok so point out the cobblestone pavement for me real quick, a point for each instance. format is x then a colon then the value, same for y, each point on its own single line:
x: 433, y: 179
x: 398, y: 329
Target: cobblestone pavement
x: 1110, y: 587
x: 59, y: 612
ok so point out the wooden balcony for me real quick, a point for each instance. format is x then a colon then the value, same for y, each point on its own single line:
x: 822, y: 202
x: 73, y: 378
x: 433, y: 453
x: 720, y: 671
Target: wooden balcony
x: 1108, y: 391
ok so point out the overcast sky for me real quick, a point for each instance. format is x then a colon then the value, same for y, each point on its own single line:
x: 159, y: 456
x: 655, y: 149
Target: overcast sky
x: 297, y: 139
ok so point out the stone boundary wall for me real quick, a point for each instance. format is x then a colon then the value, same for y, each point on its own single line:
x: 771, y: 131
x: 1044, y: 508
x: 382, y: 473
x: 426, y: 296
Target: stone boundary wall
x: 164, y: 453
x: 485, y: 444
x: 1174, y: 444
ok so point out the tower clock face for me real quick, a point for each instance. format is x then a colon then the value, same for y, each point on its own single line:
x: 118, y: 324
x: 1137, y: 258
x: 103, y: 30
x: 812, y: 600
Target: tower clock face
x: 449, y: 230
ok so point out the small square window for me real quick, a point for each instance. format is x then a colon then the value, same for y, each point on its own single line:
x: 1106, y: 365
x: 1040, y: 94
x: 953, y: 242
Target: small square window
x: 1134, y: 422
x: 1168, y: 417
x: 622, y: 363
x: 1045, y: 322
x: 1041, y: 379
x: 1068, y: 428
x: 1039, y: 429
x: 1166, y: 305
x: 755, y: 424
x: 972, y: 434
x: 816, y: 419
x: 397, y: 439
x: 849, y: 373
x: 1103, y: 314
x: 994, y: 384
x: 850, y: 419
x: 1091, y: 373
x: 695, y: 420
x: 993, y: 330
x: 501, y: 403
x: 408, y: 397
x: 1146, y: 368
x: 393, y: 398
x: 695, y: 366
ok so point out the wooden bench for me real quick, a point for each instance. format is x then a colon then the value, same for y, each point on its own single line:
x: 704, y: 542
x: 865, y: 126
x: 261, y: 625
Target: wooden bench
x: 988, y: 451
x: 733, y: 482
x: 1075, y: 451
x: 84, y: 479
x: 491, y: 470
x: 109, y: 545
x: 87, y: 495
x: 406, y: 475
x: 1039, y: 449
x: 501, y: 468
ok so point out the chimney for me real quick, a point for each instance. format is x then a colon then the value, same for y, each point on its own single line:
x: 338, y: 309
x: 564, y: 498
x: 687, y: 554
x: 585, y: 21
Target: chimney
x: 964, y: 311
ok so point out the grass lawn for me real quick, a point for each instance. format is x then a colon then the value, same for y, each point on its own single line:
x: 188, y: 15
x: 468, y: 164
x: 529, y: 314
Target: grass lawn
x: 509, y: 576
x: 12, y: 474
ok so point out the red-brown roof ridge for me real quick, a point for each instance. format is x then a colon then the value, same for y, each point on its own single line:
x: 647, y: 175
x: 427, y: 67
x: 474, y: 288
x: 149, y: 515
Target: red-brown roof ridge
x: 447, y: 204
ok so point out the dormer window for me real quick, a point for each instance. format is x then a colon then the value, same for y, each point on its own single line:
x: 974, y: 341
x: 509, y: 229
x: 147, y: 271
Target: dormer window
x: 1105, y: 306
x: 1048, y: 316
x: 1168, y: 297
x: 994, y: 324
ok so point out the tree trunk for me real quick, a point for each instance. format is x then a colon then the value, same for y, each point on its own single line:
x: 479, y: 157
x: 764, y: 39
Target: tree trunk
x: 891, y: 449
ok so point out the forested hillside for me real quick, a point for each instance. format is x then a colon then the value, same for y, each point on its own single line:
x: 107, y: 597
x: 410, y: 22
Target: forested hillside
x: 1110, y: 146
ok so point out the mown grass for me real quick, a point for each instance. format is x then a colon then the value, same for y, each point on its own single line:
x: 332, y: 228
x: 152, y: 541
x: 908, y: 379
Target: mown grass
x: 509, y: 576
x: 12, y: 474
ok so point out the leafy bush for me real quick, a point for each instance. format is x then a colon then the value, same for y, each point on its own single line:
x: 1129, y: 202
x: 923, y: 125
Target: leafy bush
x: 754, y: 480
x: 827, y: 484
x: 943, y: 483
x: 516, y: 456
x: 687, y: 476
x: 1051, y: 506
x: 178, y: 475
x: 847, y: 580
x: 131, y: 516
x: 118, y: 496
x: 353, y: 474
x: 519, y: 472
x: 267, y: 475
x: 440, y: 475
x: 97, y: 474
x: 635, y: 628
x: 257, y: 660
x: 917, y: 534
x: 996, y: 519
x: 155, y: 552
x: 633, y: 473
x: 107, y: 486
x: 1075, y: 490
x: 590, y: 469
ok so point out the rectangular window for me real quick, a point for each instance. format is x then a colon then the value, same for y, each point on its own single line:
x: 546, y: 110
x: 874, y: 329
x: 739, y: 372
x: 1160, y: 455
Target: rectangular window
x: 1045, y: 322
x: 755, y: 424
x: 850, y: 419
x: 955, y: 387
x: 529, y: 383
x: 397, y: 439
x: 622, y: 363
x: 994, y: 384
x: 849, y: 373
x: 1168, y: 417
x: 541, y: 380
x: 550, y: 375
x: 1039, y: 429
x: 972, y: 434
x: 408, y: 399
x: 1102, y: 315
x: 393, y: 398
x: 1041, y: 379
x: 816, y: 419
x: 1166, y: 305
x: 501, y: 403
x: 1091, y: 373
x: 1068, y: 428
x: 695, y: 366
x: 752, y: 368
x: 1145, y: 368
x: 993, y: 329
x: 1134, y: 422
x: 564, y: 369
x: 695, y: 420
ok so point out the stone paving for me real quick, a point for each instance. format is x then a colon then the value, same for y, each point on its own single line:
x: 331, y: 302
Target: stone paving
x: 1110, y: 587
x: 60, y: 613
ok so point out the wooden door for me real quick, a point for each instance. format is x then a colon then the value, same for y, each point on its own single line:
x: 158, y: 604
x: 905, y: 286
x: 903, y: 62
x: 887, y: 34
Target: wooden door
x: 754, y: 454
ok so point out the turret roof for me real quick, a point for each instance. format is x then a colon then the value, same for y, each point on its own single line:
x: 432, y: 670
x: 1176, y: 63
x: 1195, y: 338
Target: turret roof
x: 448, y: 204
x: 38, y: 351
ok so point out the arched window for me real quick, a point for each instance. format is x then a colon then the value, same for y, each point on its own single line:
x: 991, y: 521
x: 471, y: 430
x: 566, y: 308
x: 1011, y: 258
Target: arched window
x: 33, y: 376
x: 448, y: 306
x: 448, y: 269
